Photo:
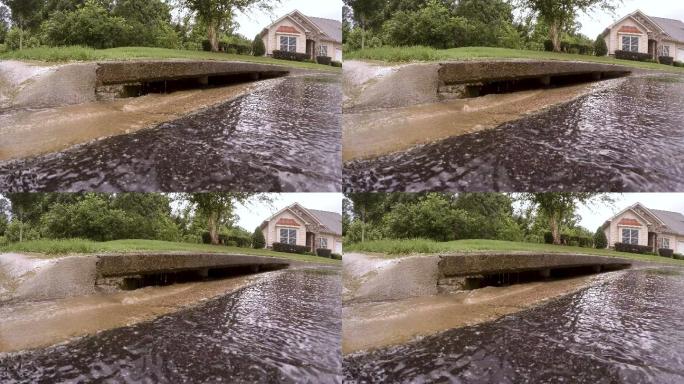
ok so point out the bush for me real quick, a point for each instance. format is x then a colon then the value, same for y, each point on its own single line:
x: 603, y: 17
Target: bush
x: 600, y: 240
x: 3, y: 241
x: 324, y: 60
x: 292, y: 56
x: 323, y: 252
x: 206, y: 45
x: 337, y: 64
x: 678, y: 256
x: 17, y: 231
x: 258, y: 47
x: 336, y: 256
x: 258, y: 240
x: 666, y: 252
x: 290, y: 248
x: 548, y: 238
x: 600, y: 47
x: 634, y: 56
x: 666, y: 60
x: 676, y: 63
x: 13, y: 38
x: 633, y: 248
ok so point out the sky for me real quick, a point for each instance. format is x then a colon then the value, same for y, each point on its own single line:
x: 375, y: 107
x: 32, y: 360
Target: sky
x: 255, y: 21
x: 594, y: 216
x: 597, y: 22
x: 252, y: 215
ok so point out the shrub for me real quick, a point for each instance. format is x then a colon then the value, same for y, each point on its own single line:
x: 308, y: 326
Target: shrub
x: 3, y: 241
x: 206, y: 238
x: 600, y: 47
x: 258, y: 240
x: 548, y: 238
x: 206, y: 45
x: 633, y: 248
x: 324, y: 60
x: 678, y: 256
x: 258, y: 47
x: 336, y: 256
x: 600, y: 240
x: 337, y: 64
x: 323, y: 252
x: 292, y: 56
x: 548, y: 45
x: 290, y: 248
x: 666, y: 252
x: 17, y: 231
x: 676, y: 63
x: 634, y: 56
x: 666, y: 60
x: 14, y: 36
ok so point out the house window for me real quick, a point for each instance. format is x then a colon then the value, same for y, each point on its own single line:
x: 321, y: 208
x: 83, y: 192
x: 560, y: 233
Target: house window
x: 288, y: 236
x: 630, y: 43
x: 322, y: 243
x: 630, y: 236
x: 288, y: 43
x: 665, y: 50
x: 323, y: 50
x: 664, y: 243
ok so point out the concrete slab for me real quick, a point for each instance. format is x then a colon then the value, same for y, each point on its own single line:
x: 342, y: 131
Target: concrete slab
x: 451, y: 265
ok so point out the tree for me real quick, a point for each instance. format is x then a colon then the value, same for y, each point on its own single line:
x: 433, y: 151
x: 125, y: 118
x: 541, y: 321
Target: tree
x: 556, y: 207
x: 432, y: 25
x: 217, y: 13
x: 25, y: 14
x: 258, y: 47
x: 600, y: 46
x: 558, y: 14
x: 600, y: 239
x: 433, y: 217
x: 149, y: 23
x: 363, y: 11
x: 365, y: 206
x: 4, y: 22
x: 258, y: 240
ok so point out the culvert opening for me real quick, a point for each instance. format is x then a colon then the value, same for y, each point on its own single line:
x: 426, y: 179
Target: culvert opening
x: 532, y: 83
x: 503, y: 279
x: 130, y: 283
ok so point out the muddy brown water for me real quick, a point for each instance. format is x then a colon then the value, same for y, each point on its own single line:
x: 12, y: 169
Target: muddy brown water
x: 284, y: 328
x: 283, y: 136
x: 628, y: 329
x: 628, y: 137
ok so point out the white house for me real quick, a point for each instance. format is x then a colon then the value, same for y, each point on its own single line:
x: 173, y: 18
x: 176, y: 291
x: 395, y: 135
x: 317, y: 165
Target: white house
x: 301, y: 226
x: 638, y: 32
x: 296, y: 32
x: 643, y: 226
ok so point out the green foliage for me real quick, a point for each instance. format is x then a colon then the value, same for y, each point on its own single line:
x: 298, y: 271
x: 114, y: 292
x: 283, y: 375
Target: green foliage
x: 258, y: 240
x: 258, y: 47
x: 432, y: 218
x: 432, y: 25
x: 600, y: 239
x: 600, y: 46
x: 16, y: 36
x: 19, y: 231
x: 149, y: 23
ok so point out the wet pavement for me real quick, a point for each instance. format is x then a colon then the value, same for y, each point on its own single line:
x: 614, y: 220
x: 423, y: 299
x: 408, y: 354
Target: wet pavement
x: 628, y: 329
x: 629, y: 137
x: 284, y: 328
x: 284, y: 136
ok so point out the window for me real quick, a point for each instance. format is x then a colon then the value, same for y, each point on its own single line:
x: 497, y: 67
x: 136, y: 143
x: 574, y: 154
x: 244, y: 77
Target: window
x: 288, y: 236
x: 323, y: 50
x: 630, y: 236
x: 664, y: 243
x: 288, y: 43
x: 665, y: 50
x: 630, y: 43
x: 322, y: 243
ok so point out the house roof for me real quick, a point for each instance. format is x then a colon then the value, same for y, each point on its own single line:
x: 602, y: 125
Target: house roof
x: 331, y: 221
x: 674, y: 28
x: 332, y: 28
x: 673, y: 220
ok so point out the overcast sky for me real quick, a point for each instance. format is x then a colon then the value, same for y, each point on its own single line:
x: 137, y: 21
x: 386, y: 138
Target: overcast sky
x: 597, y: 22
x: 254, y: 214
x: 255, y: 21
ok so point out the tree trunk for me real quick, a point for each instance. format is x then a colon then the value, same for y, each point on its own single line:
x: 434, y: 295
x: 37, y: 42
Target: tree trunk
x: 553, y: 223
x: 363, y: 227
x: 555, y: 34
x: 21, y: 38
x: 213, y: 36
x: 213, y: 228
x: 363, y: 33
x: 21, y: 231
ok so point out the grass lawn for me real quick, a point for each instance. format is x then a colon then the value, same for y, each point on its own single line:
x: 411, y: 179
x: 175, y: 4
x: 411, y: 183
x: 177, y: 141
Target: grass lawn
x: 76, y: 53
x: 409, y: 54
x: 398, y: 248
x: 51, y: 248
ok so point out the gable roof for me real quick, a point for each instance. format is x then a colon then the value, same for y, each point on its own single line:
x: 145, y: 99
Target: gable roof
x: 330, y: 221
x: 329, y: 27
x: 674, y: 28
x: 674, y: 221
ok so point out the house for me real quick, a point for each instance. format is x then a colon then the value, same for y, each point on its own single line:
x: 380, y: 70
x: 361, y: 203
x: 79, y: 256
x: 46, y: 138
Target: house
x: 296, y: 32
x: 638, y: 32
x: 302, y: 226
x: 643, y: 226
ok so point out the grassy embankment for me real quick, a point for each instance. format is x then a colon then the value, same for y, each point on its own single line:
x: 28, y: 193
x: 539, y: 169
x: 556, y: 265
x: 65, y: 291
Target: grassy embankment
x: 409, y: 54
x: 399, y: 248
x: 76, y: 53
x: 51, y: 248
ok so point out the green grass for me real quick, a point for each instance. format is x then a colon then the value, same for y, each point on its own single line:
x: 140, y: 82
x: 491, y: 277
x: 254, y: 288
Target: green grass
x: 398, y: 248
x: 411, y: 54
x: 77, y: 53
x: 51, y: 248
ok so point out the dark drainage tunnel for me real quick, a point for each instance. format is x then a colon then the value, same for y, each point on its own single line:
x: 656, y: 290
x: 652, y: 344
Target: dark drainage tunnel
x: 502, y: 279
x: 531, y: 83
x: 130, y: 283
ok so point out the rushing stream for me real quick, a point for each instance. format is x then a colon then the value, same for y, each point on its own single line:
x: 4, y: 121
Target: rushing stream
x: 629, y: 137
x: 626, y: 329
x: 285, y: 328
x: 283, y: 136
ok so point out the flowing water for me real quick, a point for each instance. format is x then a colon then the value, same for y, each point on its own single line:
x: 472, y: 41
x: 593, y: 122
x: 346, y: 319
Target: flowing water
x: 627, y: 329
x: 629, y: 137
x: 284, y: 328
x: 283, y: 136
